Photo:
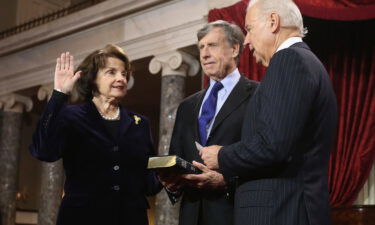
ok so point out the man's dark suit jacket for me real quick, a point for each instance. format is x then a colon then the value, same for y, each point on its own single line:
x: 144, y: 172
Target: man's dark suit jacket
x: 288, y: 132
x: 214, y: 207
x: 96, y: 191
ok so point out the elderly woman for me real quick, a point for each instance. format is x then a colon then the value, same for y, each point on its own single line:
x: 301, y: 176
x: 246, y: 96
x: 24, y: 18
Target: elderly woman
x: 104, y: 146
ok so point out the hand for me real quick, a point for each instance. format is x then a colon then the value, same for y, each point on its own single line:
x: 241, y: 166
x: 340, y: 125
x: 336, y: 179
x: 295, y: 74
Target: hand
x: 64, y: 73
x: 209, y: 179
x: 171, y: 181
x: 209, y: 156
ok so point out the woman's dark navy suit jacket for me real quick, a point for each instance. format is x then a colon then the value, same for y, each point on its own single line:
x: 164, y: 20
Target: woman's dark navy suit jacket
x: 106, y: 177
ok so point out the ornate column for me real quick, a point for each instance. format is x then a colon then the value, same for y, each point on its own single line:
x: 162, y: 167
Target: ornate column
x: 12, y: 106
x: 52, y: 178
x: 174, y: 67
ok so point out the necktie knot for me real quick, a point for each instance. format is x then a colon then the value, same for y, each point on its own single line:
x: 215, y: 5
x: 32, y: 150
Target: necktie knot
x: 216, y: 88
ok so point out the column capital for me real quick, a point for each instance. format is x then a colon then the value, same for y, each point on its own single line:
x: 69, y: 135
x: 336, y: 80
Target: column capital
x: 131, y: 82
x: 15, y: 103
x: 45, y: 92
x: 174, y: 63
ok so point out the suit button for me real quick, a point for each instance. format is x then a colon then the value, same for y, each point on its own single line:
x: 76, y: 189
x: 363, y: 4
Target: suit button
x: 116, y: 168
x: 115, y: 149
x: 116, y: 187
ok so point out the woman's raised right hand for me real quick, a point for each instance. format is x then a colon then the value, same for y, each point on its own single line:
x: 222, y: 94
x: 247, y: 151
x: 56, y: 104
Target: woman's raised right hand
x: 64, y: 73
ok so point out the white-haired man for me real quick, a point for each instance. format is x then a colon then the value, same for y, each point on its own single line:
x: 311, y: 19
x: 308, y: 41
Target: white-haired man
x: 282, y: 158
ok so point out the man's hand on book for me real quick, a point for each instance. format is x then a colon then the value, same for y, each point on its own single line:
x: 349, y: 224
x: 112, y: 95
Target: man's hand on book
x: 209, y: 179
x: 209, y: 155
x: 172, y: 181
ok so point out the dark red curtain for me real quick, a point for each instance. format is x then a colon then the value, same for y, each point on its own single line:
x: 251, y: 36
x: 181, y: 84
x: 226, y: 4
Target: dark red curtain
x: 348, y: 10
x: 347, y: 50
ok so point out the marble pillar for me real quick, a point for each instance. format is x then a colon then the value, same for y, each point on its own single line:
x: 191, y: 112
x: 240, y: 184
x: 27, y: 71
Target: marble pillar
x: 174, y: 67
x: 51, y: 192
x: 52, y: 178
x: 12, y: 106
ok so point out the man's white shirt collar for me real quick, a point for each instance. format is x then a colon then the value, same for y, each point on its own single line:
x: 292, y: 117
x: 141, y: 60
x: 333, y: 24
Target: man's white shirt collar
x: 289, y: 42
x: 228, y: 82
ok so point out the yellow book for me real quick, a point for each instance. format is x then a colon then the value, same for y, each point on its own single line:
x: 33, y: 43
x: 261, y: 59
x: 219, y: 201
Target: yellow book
x: 172, y: 162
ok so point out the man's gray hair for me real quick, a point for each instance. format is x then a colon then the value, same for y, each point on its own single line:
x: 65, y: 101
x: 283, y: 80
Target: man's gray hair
x: 233, y: 34
x: 290, y: 15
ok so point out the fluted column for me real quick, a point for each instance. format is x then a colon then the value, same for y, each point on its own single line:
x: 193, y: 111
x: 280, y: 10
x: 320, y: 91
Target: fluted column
x: 12, y: 106
x: 174, y: 67
x: 52, y: 178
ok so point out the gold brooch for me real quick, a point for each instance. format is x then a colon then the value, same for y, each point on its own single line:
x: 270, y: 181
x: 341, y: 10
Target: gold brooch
x: 137, y: 119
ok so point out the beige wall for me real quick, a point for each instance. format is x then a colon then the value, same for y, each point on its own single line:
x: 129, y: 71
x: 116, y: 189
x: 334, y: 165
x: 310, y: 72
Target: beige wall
x: 31, y: 9
x: 8, y: 10
x: 16, y: 12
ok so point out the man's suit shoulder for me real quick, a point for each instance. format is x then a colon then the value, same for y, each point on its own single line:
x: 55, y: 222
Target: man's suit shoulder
x: 246, y: 86
x: 289, y: 52
x: 251, y: 83
x: 195, y: 96
x: 299, y: 52
x: 293, y: 57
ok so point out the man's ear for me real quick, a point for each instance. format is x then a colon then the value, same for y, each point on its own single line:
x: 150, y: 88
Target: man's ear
x: 236, y: 50
x: 274, y: 22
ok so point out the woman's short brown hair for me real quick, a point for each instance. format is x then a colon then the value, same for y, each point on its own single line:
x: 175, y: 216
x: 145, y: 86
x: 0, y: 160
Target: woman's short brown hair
x: 85, y: 85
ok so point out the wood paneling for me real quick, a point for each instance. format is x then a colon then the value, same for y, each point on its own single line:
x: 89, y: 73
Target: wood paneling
x: 354, y: 215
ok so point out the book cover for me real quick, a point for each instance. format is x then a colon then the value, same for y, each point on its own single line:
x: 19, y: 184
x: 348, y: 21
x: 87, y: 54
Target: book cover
x: 172, y: 162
